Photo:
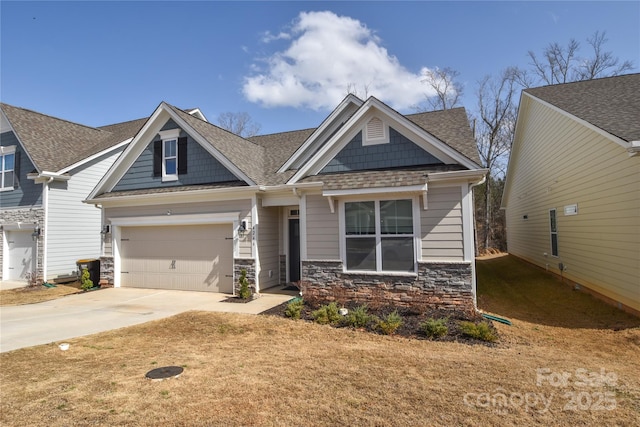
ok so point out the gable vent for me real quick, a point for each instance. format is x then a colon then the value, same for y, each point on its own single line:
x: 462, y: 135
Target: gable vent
x: 375, y: 132
x: 375, y: 129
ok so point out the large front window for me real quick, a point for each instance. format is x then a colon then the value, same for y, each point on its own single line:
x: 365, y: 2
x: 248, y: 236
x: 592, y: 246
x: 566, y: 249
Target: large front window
x: 379, y: 236
x: 7, y: 168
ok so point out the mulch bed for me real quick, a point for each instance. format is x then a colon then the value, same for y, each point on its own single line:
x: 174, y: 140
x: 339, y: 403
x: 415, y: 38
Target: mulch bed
x: 411, y: 321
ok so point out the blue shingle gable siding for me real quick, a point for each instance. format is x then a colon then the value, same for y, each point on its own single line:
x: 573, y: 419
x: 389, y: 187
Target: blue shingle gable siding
x: 202, y: 168
x: 27, y: 193
x: 399, y: 152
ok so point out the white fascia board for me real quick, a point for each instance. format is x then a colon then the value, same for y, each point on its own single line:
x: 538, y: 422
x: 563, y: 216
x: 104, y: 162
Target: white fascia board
x: 585, y: 123
x: 231, y: 167
x: 196, y: 112
x: 7, y: 122
x: 191, y: 196
x: 391, y: 118
x: 521, y: 117
x: 349, y: 99
x: 381, y: 190
x: 188, y: 219
x: 95, y: 156
x: 130, y: 154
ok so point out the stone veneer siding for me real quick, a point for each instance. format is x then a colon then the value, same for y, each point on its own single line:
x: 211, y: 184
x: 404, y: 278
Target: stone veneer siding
x: 248, y: 264
x: 444, y: 286
x: 27, y: 216
x: 106, y: 272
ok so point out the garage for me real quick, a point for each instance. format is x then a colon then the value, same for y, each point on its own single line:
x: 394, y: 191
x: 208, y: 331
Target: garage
x: 182, y: 257
x: 21, y: 258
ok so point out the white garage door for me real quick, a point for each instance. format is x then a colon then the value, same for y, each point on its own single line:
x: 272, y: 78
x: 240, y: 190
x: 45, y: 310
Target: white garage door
x: 22, y: 254
x: 186, y: 257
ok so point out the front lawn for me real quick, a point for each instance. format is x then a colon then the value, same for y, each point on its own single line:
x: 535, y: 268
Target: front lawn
x: 242, y: 370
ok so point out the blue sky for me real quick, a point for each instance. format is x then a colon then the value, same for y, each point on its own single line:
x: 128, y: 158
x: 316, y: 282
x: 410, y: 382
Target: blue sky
x: 285, y: 63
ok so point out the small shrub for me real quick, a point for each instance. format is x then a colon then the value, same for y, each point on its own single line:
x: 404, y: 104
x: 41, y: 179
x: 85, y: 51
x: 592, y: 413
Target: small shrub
x: 294, y: 308
x: 359, y: 317
x: 244, y: 292
x: 327, y: 314
x: 390, y: 323
x: 434, y: 328
x: 32, y: 279
x: 480, y: 331
x: 86, y: 282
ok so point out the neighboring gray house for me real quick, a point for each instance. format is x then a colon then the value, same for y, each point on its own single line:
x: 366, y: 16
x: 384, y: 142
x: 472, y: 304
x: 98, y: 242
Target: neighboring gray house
x: 48, y: 166
x: 372, y: 205
x: 572, y: 191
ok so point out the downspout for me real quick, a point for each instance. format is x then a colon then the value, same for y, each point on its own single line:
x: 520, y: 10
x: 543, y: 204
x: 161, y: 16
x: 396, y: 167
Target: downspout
x: 473, y: 223
x: 45, y: 226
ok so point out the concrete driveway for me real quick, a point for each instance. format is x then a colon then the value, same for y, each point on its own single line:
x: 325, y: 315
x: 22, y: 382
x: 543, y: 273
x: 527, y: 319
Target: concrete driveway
x: 88, y: 313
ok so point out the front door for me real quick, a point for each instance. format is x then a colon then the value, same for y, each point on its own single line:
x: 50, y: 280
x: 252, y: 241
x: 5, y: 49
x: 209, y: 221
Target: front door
x: 294, y: 250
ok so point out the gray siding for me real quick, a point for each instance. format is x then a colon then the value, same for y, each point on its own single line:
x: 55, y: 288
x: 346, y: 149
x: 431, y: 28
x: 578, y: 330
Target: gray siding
x: 27, y: 193
x: 398, y: 152
x: 202, y: 168
x: 268, y: 242
x: 323, y: 240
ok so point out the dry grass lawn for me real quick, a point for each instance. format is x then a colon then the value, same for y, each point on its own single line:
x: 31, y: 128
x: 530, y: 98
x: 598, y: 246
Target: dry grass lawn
x: 31, y: 295
x: 262, y: 370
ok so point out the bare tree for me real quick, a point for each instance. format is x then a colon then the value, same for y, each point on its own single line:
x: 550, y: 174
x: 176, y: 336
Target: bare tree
x: 352, y: 88
x: 563, y: 64
x: 601, y: 64
x: 239, y: 123
x: 448, y: 89
x: 497, y: 109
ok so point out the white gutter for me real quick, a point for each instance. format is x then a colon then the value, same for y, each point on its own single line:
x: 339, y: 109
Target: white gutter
x: 47, y: 177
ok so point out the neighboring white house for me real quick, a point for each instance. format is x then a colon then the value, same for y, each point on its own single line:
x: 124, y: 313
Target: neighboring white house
x: 48, y: 166
x: 372, y: 205
x: 572, y: 192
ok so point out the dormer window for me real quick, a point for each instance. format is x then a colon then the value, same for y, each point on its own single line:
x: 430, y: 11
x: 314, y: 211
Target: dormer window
x: 7, y: 167
x: 375, y: 132
x: 170, y: 160
x: 170, y: 155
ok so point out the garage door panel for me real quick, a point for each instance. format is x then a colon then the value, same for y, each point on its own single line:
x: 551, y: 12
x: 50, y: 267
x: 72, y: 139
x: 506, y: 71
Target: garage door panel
x: 178, y: 257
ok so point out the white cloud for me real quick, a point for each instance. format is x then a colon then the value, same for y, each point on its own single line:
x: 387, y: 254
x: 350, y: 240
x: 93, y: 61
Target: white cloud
x: 268, y: 37
x: 327, y: 56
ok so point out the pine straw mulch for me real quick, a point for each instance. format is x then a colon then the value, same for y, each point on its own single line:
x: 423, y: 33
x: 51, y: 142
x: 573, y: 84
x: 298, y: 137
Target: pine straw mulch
x: 411, y: 321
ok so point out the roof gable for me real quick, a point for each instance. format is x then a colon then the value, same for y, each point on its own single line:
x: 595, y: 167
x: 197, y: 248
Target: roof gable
x: 611, y: 104
x: 232, y: 153
x: 324, y: 132
x: 373, y: 108
x: 55, y: 145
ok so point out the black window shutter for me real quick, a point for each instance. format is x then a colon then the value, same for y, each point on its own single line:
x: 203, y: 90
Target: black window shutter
x: 16, y: 170
x: 157, y: 158
x: 182, y: 155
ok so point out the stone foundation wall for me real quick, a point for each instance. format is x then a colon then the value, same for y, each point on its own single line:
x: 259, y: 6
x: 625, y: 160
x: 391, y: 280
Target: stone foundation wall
x: 28, y: 217
x: 240, y: 264
x: 446, y: 286
x: 106, y: 272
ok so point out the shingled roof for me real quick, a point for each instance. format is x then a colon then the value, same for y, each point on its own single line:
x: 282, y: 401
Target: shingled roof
x: 451, y: 127
x: 54, y: 144
x: 611, y: 104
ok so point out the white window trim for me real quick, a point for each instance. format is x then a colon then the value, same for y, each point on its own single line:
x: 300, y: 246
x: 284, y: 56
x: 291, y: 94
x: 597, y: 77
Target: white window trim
x: 378, y: 236
x: 10, y: 149
x: 551, y: 233
x: 166, y: 136
x: 367, y: 140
